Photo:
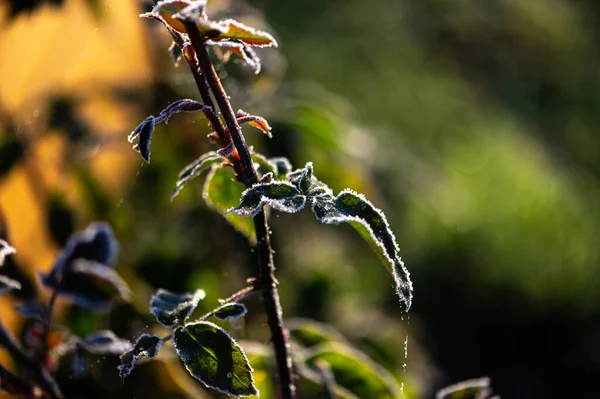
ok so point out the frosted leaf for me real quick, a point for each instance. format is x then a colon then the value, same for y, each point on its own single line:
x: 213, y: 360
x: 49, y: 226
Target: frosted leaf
x: 370, y: 222
x: 279, y: 195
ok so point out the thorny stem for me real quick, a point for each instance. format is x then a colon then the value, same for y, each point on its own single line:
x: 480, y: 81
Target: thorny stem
x: 266, y: 266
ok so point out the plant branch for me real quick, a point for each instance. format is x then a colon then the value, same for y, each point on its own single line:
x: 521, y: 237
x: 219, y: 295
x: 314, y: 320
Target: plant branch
x: 238, y: 296
x: 35, y: 370
x: 204, y: 90
x: 266, y: 267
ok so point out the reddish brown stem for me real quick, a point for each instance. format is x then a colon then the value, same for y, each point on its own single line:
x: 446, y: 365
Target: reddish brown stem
x: 266, y: 266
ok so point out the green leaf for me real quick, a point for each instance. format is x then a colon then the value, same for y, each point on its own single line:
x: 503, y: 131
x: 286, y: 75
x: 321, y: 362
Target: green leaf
x: 371, y: 224
x: 354, y: 371
x: 231, y: 311
x: 283, y: 166
x: 214, y: 358
x: 194, y: 169
x: 307, y: 183
x: 264, y: 165
x: 237, y: 31
x: 171, y: 309
x: 279, y: 195
x: 146, y: 345
x: 310, y: 333
x: 221, y: 192
x: 471, y: 389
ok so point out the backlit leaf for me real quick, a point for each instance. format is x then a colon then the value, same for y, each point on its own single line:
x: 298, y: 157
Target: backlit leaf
x: 8, y: 284
x: 214, y: 358
x: 307, y: 183
x: 354, y: 371
x: 224, y: 48
x: 250, y: 36
x: 5, y: 250
x: 143, y: 132
x: 221, y: 192
x: 185, y: 105
x: 471, y: 389
x: 146, y: 345
x: 167, y: 9
x: 195, y: 168
x: 279, y: 195
x: 89, y: 284
x: 231, y: 311
x: 370, y: 222
x: 171, y: 309
x: 264, y: 165
x: 256, y: 121
x: 106, y: 342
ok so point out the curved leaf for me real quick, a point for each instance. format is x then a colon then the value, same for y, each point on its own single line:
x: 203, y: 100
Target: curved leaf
x: 221, y: 192
x: 214, y: 358
x: 354, y: 371
x: 479, y: 388
x: 171, y: 309
x: 371, y: 224
x: 227, y: 47
x: 250, y: 36
x: 89, y: 284
x: 8, y: 284
x: 5, y: 250
x: 106, y: 342
x: 279, y: 195
x: 256, y: 121
x: 194, y: 169
x: 264, y: 165
x: 230, y: 311
x: 166, y: 10
x: 146, y: 345
x: 307, y: 183
x: 282, y: 164
x: 184, y: 105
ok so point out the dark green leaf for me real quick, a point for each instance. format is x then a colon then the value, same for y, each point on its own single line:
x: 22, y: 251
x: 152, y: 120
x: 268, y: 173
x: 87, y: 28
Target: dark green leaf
x: 279, y: 195
x: 214, y: 358
x: 171, y: 309
x: 231, y: 311
x: 90, y: 284
x: 194, y: 169
x: 106, y: 342
x: 307, y: 183
x: 146, y: 345
x: 370, y: 222
x: 283, y: 166
x: 185, y: 105
x: 7, y: 285
x: 222, y: 192
x: 354, y: 371
x: 471, y: 389
x: 143, y: 132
